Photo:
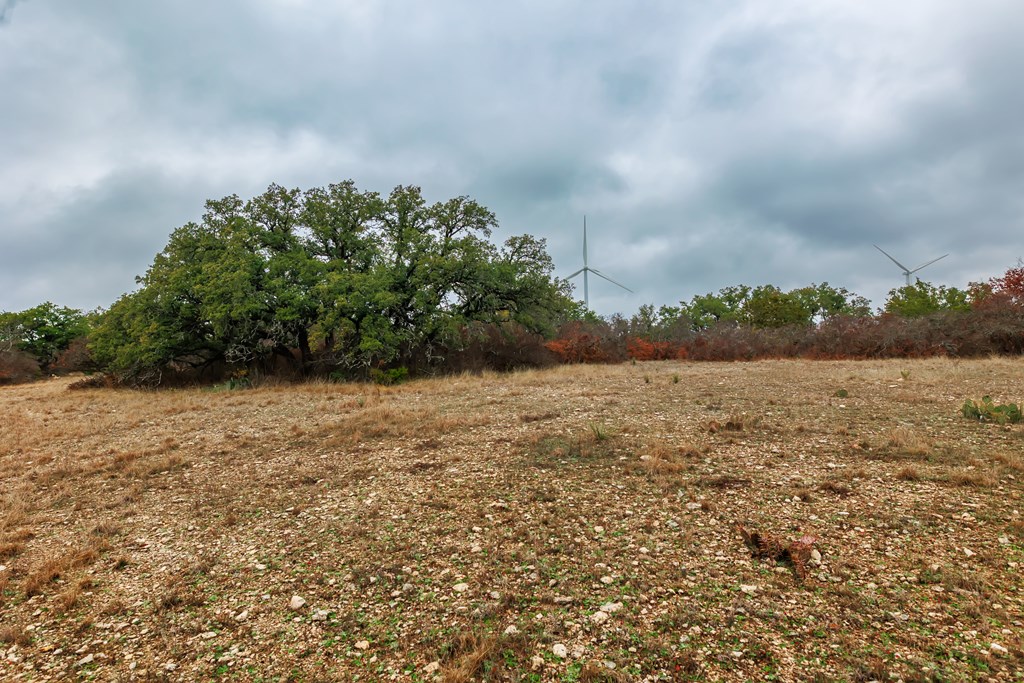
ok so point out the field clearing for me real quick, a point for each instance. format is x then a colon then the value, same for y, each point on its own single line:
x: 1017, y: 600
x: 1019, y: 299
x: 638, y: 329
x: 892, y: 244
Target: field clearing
x: 575, y: 524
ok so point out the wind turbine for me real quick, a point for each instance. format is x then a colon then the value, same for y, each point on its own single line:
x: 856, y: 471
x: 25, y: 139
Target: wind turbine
x: 907, y: 271
x: 586, y: 270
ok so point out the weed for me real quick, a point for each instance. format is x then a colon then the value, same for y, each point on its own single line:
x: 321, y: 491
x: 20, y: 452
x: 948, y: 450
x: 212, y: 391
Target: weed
x: 600, y: 432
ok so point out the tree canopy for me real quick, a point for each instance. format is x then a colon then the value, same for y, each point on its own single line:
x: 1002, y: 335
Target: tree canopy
x: 43, y: 331
x: 346, y: 277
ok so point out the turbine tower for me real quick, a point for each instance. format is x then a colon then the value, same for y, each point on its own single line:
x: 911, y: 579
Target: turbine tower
x: 907, y: 271
x: 586, y: 270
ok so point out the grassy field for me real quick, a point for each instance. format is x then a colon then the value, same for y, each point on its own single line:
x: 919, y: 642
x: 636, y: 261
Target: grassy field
x: 577, y: 524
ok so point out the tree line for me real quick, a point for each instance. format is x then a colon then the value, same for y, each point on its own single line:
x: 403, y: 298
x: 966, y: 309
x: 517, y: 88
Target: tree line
x: 352, y: 284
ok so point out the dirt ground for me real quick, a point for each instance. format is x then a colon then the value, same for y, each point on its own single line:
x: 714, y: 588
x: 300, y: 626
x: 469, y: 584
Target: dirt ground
x: 577, y: 524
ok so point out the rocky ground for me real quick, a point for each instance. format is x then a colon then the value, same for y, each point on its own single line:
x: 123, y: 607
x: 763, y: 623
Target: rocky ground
x: 578, y: 524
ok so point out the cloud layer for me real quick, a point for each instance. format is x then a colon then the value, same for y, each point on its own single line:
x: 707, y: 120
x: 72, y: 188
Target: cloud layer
x: 709, y: 144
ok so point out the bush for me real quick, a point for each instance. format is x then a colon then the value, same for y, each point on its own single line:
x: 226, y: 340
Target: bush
x: 588, y: 342
x: 17, y: 366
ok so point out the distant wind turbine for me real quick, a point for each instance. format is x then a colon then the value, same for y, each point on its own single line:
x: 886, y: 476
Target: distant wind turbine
x: 907, y: 271
x: 586, y: 270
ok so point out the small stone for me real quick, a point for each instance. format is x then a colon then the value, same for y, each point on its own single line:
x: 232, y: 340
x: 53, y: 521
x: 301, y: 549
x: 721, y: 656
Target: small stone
x: 363, y: 645
x: 495, y: 595
x: 477, y: 548
x: 432, y: 667
x: 88, y: 659
x: 460, y: 587
x: 599, y: 617
x: 607, y: 580
x: 611, y: 607
x: 998, y: 649
x: 560, y: 650
x: 260, y: 567
x: 511, y: 630
x: 644, y: 551
x: 736, y: 654
x: 1004, y: 540
x: 968, y: 552
x: 242, y: 616
x: 170, y: 666
x: 536, y: 662
x: 815, y: 555
x: 208, y: 635
x: 693, y: 506
x: 749, y: 589
x: 320, y: 615
x: 296, y: 603
x: 598, y: 529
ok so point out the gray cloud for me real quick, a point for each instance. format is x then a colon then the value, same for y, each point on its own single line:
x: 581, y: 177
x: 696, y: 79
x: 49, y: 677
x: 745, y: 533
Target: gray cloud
x: 709, y: 143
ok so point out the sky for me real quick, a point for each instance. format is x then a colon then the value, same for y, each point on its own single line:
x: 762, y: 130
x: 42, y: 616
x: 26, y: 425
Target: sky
x: 709, y: 143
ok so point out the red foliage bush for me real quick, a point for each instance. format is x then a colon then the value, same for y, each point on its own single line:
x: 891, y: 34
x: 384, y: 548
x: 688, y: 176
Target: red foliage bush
x: 17, y: 366
x: 501, y: 347
x: 638, y: 348
x: 75, y: 358
x: 580, y: 342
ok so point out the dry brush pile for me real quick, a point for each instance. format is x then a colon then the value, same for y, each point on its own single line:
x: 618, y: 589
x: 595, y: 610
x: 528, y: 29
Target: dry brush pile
x: 575, y: 524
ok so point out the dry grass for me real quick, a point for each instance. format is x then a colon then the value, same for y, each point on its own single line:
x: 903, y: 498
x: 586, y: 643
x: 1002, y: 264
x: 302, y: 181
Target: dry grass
x: 422, y: 521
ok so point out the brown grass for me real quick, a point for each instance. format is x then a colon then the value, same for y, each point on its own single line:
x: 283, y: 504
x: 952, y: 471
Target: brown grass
x: 372, y: 504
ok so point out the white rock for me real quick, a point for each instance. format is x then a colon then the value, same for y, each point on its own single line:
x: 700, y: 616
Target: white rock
x: 536, y: 662
x: 1003, y: 540
x: 611, y: 607
x: 511, y: 630
x: 560, y: 650
x: 208, y: 635
x: 363, y: 645
x: 599, y: 617
x: 88, y: 659
x: 477, y: 548
x: 460, y: 587
x: 598, y: 529
x: 968, y: 552
x: 320, y: 615
x: 170, y: 666
x: 815, y: 555
x: 998, y: 649
x: 693, y: 506
x: 607, y: 580
x: 242, y: 616
x: 748, y: 588
x: 432, y: 667
x: 296, y: 603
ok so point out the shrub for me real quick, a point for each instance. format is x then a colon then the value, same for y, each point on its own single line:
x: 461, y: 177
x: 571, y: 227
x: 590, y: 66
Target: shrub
x: 17, y: 366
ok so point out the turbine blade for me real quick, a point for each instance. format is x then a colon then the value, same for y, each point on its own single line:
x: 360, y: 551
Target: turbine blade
x: 569, y: 277
x: 929, y: 263
x: 600, y: 274
x: 905, y: 269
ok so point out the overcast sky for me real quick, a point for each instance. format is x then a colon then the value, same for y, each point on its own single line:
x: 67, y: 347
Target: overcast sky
x: 709, y: 143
